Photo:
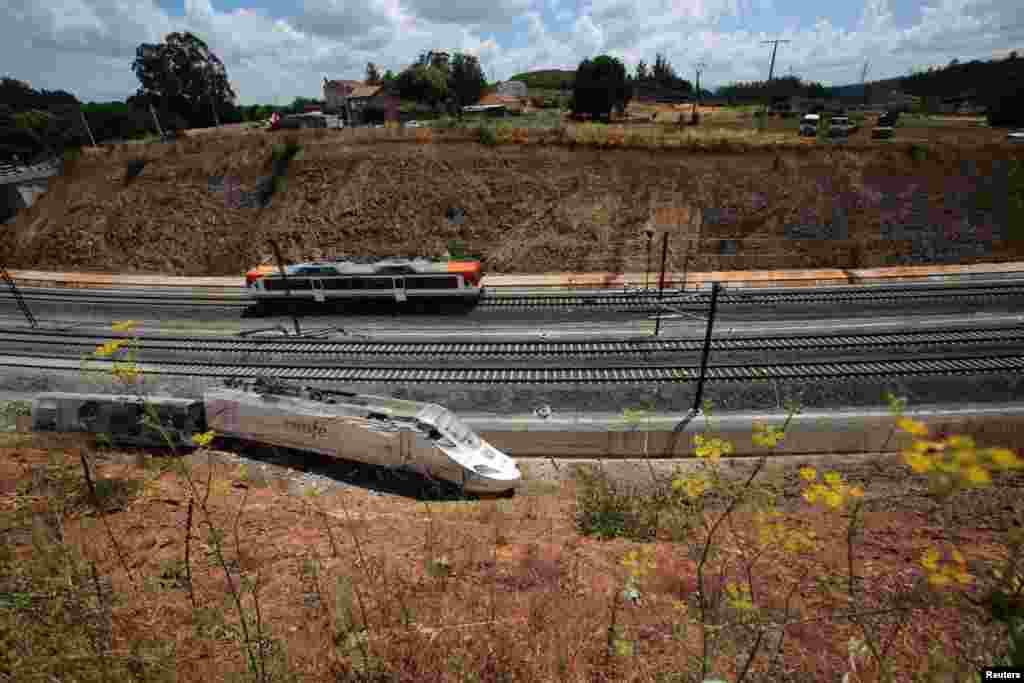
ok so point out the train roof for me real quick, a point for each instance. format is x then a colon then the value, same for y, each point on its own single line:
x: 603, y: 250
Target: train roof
x: 381, y: 267
x: 395, y: 407
x: 122, y: 398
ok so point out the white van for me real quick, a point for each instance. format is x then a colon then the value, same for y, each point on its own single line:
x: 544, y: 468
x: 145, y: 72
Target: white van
x: 809, y: 124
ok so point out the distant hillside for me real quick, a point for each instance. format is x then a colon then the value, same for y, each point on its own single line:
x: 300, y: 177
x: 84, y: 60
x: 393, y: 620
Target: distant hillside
x: 546, y: 79
x: 856, y: 90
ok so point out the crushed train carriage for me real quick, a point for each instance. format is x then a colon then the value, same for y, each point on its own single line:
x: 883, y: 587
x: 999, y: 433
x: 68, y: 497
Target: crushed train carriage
x: 424, y: 438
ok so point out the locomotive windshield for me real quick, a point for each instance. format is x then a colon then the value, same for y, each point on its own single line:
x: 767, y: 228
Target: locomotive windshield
x: 456, y: 431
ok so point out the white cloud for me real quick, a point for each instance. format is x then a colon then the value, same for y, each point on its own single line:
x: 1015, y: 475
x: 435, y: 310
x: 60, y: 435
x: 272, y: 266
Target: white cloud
x: 86, y: 46
x: 497, y: 13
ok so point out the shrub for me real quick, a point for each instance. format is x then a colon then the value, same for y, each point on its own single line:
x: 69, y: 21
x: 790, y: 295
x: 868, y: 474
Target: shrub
x: 487, y: 136
x: 608, y: 510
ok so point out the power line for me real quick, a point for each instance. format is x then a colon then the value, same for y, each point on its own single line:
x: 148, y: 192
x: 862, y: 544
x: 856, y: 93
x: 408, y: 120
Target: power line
x: 771, y: 69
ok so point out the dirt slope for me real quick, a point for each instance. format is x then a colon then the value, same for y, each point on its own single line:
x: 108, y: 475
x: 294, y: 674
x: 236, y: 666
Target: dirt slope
x: 527, y: 208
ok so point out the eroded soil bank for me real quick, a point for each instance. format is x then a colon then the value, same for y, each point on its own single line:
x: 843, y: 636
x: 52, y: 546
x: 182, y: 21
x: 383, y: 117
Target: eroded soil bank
x: 526, y: 208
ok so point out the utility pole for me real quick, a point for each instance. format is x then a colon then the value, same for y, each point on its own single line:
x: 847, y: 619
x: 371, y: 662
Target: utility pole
x: 863, y: 78
x: 210, y: 93
x: 88, y: 130
x: 771, y: 68
x: 156, y: 120
x: 700, y: 66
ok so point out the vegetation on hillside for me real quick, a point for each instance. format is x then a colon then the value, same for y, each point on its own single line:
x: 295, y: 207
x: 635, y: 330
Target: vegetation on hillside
x: 439, y: 79
x: 600, y: 87
x: 547, y: 79
x: 759, y: 91
x: 36, y: 123
x: 997, y: 84
x: 183, y: 76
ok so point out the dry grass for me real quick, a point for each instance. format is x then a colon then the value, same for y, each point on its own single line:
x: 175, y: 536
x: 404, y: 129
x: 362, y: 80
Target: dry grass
x: 353, y: 586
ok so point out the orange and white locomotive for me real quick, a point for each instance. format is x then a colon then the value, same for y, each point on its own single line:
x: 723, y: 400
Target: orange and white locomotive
x: 391, y: 279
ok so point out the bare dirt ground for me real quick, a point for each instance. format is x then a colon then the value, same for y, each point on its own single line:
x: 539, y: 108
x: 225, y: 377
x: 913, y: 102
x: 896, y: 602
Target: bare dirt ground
x: 528, y: 208
x: 351, y: 579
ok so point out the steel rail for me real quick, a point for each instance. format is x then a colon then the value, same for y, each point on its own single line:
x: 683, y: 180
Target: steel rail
x: 645, y: 374
x: 640, y: 347
x: 649, y: 301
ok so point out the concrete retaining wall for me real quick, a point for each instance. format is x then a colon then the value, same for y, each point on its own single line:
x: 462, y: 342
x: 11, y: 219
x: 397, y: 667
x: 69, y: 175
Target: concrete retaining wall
x: 817, y: 432
x: 731, y: 279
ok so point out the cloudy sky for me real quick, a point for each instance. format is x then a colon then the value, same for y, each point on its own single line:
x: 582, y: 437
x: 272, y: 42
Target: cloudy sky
x: 276, y: 50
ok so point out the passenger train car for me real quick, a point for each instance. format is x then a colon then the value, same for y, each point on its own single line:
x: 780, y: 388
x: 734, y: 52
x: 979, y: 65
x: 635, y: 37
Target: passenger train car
x: 422, y: 437
x: 392, y: 279
x: 119, y: 417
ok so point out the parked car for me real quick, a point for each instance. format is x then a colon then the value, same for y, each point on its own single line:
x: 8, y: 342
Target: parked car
x: 840, y: 127
x: 413, y: 124
x: 809, y: 125
x: 1017, y: 137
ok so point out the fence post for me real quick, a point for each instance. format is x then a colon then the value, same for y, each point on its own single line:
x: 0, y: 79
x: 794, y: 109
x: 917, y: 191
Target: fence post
x: 707, y: 347
x: 287, y: 287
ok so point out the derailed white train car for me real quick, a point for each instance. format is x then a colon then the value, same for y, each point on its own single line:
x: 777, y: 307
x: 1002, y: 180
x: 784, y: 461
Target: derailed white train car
x: 376, y: 430
x: 120, y: 417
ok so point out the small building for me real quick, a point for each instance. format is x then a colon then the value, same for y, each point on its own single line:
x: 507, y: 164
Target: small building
x: 512, y: 89
x: 510, y: 103
x: 336, y: 94
x: 357, y: 102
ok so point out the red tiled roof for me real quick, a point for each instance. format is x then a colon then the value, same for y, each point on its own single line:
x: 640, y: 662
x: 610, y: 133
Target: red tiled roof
x: 500, y: 99
x: 365, y: 90
x: 336, y: 85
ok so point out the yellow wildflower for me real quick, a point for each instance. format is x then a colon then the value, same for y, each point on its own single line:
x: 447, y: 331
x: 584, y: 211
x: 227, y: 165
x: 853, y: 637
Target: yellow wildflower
x: 1004, y: 457
x: 811, y: 495
x: 833, y: 479
x: 958, y: 557
x: 203, y: 439
x: 918, y: 461
x: 960, y: 442
x: 912, y: 426
x: 124, y: 326
x: 808, y: 473
x: 738, y: 597
x: 938, y: 579
x: 962, y: 577
x: 978, y: 475
x: 966, y: 457
x: 930, y: 559
x: 833, y: 499
x: 695, y: 487
x: 109, y: 349
x: 766, y: 435
x: 126, y: 373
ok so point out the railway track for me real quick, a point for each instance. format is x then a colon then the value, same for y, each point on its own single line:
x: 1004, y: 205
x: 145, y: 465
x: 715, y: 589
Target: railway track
x: 1004, y: 335
x: 639, y: 374
x: 642, y: 301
